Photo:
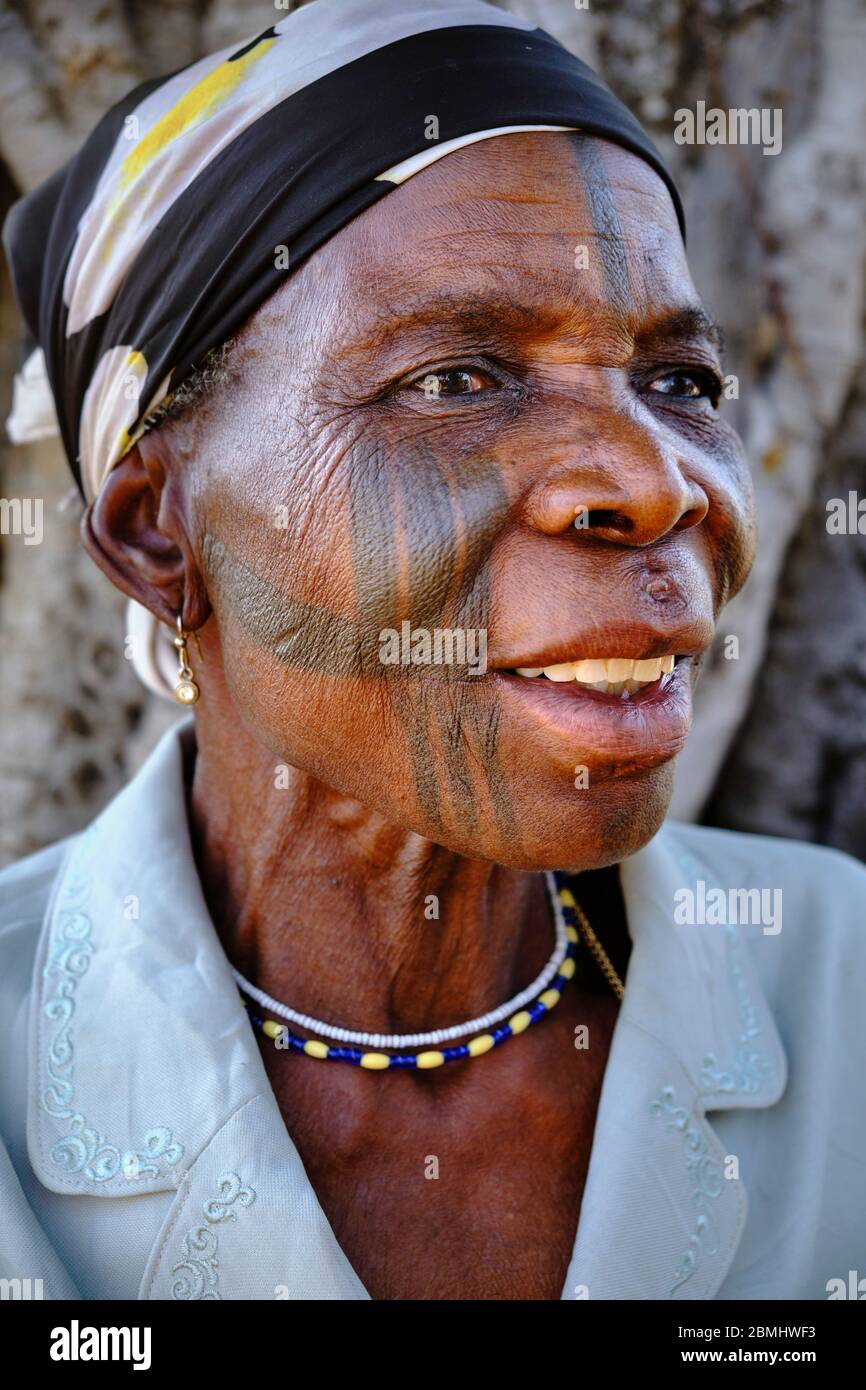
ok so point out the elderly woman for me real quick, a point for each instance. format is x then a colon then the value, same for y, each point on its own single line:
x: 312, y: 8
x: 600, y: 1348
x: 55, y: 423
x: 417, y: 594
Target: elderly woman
x: 376, y: 356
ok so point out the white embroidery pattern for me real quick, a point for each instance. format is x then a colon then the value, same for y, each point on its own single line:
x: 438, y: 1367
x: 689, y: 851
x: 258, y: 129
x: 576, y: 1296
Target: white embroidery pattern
x: 83, y: 1149
x: 706, y: 1173
x: 198, y: 1272
x: 751, y: 1067
x: 748, y: 1073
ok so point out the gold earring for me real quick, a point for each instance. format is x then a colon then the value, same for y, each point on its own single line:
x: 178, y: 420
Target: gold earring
x: 185, y: 691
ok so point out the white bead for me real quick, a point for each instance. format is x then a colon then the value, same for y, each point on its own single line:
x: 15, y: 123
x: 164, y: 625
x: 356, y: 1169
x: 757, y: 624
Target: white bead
x: 377, y: 1041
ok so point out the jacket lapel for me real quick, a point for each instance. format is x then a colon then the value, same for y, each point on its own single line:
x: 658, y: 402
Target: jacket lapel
x: 145, y: 1074
x: 662, y: 1216
x: 246, y: 1223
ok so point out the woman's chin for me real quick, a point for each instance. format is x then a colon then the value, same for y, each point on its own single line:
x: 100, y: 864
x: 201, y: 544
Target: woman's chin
x: 615, y: 821
x: 570, y: 830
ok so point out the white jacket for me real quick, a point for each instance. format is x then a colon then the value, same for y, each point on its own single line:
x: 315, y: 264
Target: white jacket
x: 143, y: 1155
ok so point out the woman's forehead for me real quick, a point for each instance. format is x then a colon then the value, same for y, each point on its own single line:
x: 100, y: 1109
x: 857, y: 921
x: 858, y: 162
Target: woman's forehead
x: 526, y: 229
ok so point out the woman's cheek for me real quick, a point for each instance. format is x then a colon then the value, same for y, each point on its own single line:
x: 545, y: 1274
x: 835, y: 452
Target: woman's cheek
x: 731, y: 520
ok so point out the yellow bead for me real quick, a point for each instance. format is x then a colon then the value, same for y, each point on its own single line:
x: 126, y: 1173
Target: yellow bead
x: 549, y: 998
x: 314, y: 1048
x: 520, y: 1022
x: 568, y: 967
x: 571, y: 934
x: 375, y: 1061
x: 478, y: 1046
x: 566, y: 897
x: 425, y: 1060
x: 271, y: 1029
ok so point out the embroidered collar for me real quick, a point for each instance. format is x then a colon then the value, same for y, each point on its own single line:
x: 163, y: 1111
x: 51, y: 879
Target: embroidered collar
x: 146, y: 1077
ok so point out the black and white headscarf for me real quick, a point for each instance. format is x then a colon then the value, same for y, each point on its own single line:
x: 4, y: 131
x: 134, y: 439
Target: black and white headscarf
x: 197, y: 194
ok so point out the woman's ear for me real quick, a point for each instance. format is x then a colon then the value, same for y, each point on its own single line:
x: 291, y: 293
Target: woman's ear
x: 135, y: 532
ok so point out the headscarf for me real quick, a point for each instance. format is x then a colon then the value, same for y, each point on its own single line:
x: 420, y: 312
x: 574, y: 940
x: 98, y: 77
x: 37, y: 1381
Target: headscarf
x: 197, y: 194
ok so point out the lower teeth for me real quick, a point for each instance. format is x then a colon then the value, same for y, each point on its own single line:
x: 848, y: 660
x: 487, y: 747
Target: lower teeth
x: 622, y: 689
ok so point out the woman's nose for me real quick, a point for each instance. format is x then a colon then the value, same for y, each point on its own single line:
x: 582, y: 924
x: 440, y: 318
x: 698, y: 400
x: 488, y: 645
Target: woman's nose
x: 634, y: 496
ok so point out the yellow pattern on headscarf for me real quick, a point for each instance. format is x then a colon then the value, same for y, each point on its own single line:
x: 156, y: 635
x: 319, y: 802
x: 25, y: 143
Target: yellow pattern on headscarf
x: 194, y: 107
x: 130, y: 381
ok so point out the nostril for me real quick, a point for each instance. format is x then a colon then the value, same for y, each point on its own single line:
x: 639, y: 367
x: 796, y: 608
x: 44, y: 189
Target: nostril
x: 693, y: 517
x: 603, y: 519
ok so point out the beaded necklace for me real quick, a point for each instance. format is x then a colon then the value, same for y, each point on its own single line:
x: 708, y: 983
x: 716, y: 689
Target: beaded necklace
x: 505, y: 1022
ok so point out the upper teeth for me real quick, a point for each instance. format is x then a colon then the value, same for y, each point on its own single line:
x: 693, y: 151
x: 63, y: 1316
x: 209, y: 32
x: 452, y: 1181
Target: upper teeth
x: 619, y: 675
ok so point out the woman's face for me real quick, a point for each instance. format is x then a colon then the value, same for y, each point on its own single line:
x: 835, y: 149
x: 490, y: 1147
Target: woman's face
x: 506, y: 345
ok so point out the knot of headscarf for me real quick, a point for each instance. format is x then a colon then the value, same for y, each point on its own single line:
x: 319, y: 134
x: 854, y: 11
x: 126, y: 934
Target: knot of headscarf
x: 198, y: 193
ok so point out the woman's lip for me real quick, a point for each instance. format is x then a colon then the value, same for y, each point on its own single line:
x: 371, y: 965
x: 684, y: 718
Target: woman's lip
x: 647, y: 729
x: 633, y: 641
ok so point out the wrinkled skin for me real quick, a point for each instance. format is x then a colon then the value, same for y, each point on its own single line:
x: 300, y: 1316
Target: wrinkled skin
x: 566, y: 388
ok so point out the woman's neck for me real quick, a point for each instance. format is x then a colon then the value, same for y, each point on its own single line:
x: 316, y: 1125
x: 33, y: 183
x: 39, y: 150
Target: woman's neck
x: 328, y: 907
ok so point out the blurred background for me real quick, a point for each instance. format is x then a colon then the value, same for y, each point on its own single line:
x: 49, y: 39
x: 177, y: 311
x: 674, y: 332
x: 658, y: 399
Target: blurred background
x: 777, y: 245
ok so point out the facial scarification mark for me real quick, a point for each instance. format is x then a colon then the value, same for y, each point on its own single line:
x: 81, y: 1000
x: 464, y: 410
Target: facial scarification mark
x: 432, y: 541
x: 442, y: 531
x: 421, y: 547
x: 451, y: 719
x: 479, y: 511
x: 414, y: 714
x: 600, y: 200
x: 300, y: 634
x: 375, y: 555
x: 430, y: 538
x: 484, y: 510
x: 496, y: 781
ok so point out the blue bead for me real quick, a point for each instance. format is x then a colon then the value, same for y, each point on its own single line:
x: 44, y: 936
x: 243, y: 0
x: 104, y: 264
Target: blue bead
x: 450, y: 1053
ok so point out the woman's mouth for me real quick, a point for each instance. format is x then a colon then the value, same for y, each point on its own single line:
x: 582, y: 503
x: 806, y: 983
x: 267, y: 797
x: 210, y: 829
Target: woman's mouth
x: 618, y: 714
x: 624, y: 678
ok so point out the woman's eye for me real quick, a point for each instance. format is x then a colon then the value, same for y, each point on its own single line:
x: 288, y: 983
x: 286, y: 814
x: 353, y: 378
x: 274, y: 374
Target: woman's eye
x: 452, y: 381
x: 687, y: 384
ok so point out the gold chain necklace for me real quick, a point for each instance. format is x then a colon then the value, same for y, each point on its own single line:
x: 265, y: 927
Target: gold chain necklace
x: 602, y: 959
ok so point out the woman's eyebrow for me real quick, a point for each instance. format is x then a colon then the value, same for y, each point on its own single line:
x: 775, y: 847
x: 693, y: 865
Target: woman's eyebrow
x: 497, y: 315
x: 688, y: 321
x: 487, y: 311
